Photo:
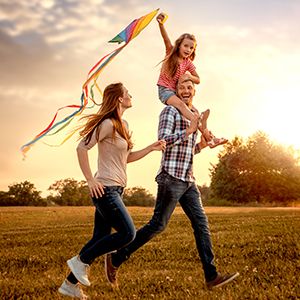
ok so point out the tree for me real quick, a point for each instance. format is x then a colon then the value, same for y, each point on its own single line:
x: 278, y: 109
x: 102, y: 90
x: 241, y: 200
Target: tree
x: 256, y: 171
x: 5, y: 199
x: 22, y: 194
x: 205, y: 192
x: 138, y: 196
x: 70, y: 192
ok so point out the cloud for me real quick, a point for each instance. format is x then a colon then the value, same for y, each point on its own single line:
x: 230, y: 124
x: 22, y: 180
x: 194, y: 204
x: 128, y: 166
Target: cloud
x: 46, y: 41
x: 72, y: 23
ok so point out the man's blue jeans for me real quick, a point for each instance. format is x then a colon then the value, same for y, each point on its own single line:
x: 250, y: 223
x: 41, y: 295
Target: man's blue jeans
x: 170, y: 192
x: 110, y: 213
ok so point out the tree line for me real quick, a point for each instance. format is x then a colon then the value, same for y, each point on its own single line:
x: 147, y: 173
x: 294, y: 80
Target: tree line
x: 66, y: 192
x: 252, y: 171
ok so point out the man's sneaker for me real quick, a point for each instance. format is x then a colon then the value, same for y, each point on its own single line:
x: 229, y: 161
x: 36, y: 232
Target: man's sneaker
x: 79, y: 269
x: 221, y: 280
x: 73, y: 290
x: 110, y: 271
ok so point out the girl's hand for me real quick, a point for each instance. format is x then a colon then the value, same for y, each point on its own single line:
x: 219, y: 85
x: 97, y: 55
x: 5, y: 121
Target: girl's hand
x: 185, y: 77
x: 160, y: 18
x: 159, y: 145
x: 96, y: 188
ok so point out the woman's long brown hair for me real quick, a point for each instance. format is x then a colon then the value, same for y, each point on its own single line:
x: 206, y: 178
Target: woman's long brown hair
x: 108, y: 110
x: 170, y: 63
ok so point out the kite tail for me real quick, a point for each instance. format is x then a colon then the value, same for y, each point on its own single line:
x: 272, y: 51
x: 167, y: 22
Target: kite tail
x: 47, y: 131
x: 85, y: 97
x: 129, y: 33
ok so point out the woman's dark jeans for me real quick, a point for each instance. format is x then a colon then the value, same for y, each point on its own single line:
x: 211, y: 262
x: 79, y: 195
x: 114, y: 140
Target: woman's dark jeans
x: 110, y: 213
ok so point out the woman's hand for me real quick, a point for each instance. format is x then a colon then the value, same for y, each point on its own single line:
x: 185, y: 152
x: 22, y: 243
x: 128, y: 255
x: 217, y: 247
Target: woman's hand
x: 96, y: 188
x: 159, y: 145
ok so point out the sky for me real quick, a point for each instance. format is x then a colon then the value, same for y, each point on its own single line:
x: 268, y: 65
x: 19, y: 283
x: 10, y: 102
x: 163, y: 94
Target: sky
x: 248, y: 59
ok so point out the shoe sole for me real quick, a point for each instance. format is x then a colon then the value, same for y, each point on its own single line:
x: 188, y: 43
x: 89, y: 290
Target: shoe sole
x: 65, y: 292
x: 70, y: 264
x: 226, y: 281
x: 105, y: 268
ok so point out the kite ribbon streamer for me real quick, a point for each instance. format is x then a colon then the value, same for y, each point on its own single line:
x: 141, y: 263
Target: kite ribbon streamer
x: 128, y: 34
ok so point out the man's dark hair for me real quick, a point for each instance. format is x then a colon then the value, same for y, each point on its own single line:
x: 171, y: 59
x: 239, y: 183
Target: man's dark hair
x: 184, y: 82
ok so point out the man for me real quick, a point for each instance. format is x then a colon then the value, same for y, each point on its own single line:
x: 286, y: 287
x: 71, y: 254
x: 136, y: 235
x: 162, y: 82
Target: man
x: 176, y: 183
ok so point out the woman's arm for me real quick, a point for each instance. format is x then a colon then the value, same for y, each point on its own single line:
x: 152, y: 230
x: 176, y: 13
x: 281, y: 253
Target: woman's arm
x: 159, y: 145
x: 95, y: 187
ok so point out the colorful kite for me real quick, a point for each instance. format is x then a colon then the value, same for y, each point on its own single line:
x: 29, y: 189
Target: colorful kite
x: 128, y: 34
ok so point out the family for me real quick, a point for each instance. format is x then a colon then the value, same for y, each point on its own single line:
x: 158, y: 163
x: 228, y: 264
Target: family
x: 179, y: 123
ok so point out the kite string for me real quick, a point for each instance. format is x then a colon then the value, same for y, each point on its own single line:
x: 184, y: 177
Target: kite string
x: 130, y: 32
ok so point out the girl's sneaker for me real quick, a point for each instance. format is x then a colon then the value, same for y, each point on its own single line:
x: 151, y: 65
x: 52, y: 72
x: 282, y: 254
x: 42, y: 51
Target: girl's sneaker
x: 73, y: 290
x: 214, y: 142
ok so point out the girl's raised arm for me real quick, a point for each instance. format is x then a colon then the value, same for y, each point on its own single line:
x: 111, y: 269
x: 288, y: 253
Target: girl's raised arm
x: 164, y: 33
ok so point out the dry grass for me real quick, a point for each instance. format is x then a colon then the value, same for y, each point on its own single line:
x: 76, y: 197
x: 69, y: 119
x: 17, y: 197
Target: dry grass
x: 261, y: 243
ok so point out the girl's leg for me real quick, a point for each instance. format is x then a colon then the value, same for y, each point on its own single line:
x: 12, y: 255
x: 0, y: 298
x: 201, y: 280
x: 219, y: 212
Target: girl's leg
x: 187, y: 113
x: 181, y: 106
x: 211, y: 140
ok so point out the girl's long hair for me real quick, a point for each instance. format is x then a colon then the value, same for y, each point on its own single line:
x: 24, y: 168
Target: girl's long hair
x: 108, y: 110
x: 170, y: 63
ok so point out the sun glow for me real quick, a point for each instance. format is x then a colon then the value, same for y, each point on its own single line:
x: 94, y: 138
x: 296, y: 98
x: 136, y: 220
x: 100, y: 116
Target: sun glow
x: 279, y: 116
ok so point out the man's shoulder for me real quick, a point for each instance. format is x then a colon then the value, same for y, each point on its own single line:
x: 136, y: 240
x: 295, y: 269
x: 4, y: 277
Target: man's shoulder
x: 169, y: 109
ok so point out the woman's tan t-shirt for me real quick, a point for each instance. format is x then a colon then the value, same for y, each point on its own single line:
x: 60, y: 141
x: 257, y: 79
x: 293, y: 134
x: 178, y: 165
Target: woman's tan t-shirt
x: 112, y: 155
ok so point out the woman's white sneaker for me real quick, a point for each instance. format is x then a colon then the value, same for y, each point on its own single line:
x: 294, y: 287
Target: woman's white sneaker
x: 79, y: 269
x: 73, y: 290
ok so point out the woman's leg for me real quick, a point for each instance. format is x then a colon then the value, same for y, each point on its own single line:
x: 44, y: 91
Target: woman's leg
x: 114, y: 212
x: 101, y: 229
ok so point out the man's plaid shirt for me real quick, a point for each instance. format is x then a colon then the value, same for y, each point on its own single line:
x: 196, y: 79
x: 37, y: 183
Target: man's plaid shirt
x: 177, y: 159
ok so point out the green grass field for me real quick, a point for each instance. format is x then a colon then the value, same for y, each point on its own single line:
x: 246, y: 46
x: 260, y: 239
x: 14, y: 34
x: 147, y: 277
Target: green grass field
x: 261, y: 243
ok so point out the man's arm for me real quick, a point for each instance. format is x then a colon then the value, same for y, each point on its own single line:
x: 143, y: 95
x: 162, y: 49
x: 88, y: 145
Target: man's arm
x: 201, y: 145
x: 167, y: 124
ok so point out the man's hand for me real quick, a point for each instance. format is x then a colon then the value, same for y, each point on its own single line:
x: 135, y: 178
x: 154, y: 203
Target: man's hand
x: 193, y: 125
x: 203, y: 141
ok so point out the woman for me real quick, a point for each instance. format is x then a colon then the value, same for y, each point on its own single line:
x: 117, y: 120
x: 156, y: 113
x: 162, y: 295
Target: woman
x: 110, y: 133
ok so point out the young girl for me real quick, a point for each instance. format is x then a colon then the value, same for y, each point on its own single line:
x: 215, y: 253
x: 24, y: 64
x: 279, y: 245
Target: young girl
x: 178, y: 65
